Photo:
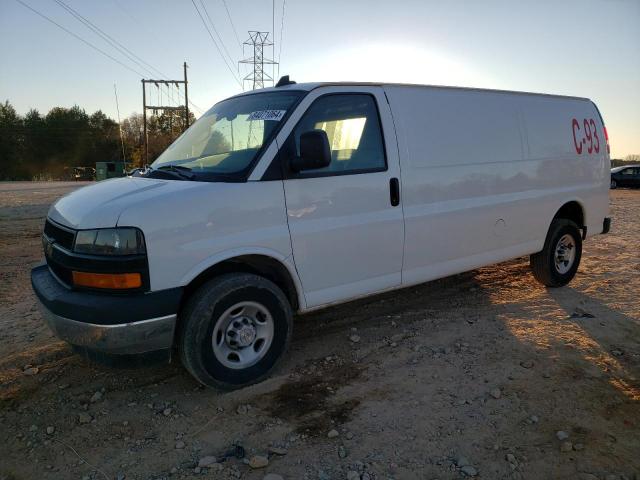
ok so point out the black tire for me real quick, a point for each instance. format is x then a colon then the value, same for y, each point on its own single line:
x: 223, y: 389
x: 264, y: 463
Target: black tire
x: 543, y: 263
x: 204, y: 309
x: 614, y: 184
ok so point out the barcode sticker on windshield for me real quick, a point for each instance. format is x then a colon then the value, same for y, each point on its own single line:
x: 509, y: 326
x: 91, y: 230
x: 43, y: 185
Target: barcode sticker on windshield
x: 275, y: 115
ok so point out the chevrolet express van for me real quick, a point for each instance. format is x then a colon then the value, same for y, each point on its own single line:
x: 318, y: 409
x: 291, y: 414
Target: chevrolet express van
x: 293, y: 198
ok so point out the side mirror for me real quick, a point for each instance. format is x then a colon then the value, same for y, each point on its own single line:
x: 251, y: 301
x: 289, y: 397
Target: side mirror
x: 315, y: 151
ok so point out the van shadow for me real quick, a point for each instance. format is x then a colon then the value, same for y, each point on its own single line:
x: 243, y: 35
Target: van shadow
x: 576, y: 373
x: 433, y: 300
x: 615, y: 335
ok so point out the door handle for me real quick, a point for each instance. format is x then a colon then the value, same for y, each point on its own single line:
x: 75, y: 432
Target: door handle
x: 394, y: 192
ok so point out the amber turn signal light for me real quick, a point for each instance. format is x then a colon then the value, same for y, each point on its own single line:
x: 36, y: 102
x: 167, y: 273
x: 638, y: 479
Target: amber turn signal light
x: 113, y: 281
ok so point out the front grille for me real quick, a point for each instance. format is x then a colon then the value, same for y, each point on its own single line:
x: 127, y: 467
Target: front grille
x: 63, y: 273
x: 62, y: 236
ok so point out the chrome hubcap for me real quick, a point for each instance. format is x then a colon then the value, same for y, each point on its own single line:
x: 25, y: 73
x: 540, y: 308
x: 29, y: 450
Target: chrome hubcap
x: 565, y: 254
x: 242, y: 335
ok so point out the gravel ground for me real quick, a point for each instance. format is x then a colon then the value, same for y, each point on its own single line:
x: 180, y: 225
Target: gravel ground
x: 483, y: 374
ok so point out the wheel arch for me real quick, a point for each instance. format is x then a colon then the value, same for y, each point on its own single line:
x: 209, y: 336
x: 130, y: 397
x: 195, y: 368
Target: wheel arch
x: 266, y: 264
x: 572, y: 210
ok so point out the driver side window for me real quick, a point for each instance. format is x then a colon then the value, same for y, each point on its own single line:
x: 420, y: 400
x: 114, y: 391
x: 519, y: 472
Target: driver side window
x: 352, y: 125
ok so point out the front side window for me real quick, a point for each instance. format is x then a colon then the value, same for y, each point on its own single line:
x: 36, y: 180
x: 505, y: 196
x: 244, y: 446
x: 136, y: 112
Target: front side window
x: 352, y: 125
x: 227, y: 139
x: 627, y: 171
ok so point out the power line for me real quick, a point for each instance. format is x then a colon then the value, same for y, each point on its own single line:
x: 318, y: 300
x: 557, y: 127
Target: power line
x: 126, y: 12
x: 284, y: 2
x: 109, y: 39
x: 119, y: 47
x: 113, y: 42
x: 91, y: 45
x: 215, y: 43
x: 206, y: 12
x: 115, y: 91
x: 232, y: 25
x: 200, y: 110
x: 79, y: 38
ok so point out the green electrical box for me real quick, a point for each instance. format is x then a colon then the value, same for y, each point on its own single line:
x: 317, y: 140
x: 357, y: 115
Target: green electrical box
x: 106, y: 170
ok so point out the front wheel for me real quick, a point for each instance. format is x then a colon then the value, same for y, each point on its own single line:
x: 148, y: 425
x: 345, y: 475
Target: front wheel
x: 234, y: 330
x: 558, y: 261
x: 614, y: 184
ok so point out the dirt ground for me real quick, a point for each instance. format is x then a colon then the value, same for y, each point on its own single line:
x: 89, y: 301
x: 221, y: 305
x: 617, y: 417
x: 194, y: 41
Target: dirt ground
x: 471, y: 375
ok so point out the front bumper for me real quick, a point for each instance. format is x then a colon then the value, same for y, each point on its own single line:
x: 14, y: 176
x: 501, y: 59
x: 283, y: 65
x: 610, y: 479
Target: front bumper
x: 121, y: 339
x: 114, y: 324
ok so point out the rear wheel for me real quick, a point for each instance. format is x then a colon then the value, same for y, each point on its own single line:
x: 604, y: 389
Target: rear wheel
x: 614, y: 184
x: 558, y: 261
x: 235, y: 329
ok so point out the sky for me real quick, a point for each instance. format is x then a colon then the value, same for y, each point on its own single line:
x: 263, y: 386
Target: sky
x: 582, y: 48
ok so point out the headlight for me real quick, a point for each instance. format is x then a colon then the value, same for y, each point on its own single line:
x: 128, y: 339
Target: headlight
x: 110, y: 241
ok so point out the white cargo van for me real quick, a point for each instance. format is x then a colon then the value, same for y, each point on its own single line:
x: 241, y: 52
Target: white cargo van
x: 297, y: 197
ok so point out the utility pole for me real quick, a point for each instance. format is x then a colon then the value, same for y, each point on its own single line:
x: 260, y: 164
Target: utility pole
x: 144, y: 123
x: 257, y: 76
x: 115, y: 91
x: 163, y: 108
x: 186, y: 98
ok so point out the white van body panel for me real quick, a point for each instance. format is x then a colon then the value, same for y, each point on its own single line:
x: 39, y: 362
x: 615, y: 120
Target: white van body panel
x: 188, y: 226
x: 484, y: 173
x: 188, y: 231
x: 347, y: 239
x: 99, y: 205
x: 582, y: 177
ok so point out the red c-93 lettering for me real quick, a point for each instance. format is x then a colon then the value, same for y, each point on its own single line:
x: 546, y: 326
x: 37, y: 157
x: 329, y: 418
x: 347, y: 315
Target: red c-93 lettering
x: 585, y: 136
x: 576, y: 143
x: 596, y: 147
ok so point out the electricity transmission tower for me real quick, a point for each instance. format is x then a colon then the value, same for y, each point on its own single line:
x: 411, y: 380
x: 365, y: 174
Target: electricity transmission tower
x: 257, y: 76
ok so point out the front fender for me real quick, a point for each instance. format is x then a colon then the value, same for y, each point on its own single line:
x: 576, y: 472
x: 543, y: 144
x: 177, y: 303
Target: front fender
x: 286, y: 261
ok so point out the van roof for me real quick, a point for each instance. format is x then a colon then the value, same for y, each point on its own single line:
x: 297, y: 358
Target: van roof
x: 313, y: 85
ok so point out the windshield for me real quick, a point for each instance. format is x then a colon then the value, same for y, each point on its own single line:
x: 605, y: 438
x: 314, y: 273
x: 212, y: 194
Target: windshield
x: 227, y: 138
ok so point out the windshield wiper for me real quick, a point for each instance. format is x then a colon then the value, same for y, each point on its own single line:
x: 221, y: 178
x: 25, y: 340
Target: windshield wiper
x: 172, y: 167
x: 184, y: 172
x: 164, y: 172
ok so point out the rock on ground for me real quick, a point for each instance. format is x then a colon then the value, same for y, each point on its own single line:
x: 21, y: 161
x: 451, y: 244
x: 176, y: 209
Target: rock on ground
x: 258, y: 461
x: 206, y: 461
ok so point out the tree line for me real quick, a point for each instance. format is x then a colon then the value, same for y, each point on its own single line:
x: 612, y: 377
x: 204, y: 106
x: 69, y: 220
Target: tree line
x: 628, y: 160
x: 36, y: 146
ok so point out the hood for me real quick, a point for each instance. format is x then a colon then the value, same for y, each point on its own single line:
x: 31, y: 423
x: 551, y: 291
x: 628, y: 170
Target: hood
x: 100, y: 205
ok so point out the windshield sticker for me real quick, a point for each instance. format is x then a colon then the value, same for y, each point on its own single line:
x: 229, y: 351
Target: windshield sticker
x: 275, y: 115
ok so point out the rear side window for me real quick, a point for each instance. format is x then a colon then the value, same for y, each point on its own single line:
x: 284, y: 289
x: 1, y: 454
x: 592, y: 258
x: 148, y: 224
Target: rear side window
x: 352, y: 125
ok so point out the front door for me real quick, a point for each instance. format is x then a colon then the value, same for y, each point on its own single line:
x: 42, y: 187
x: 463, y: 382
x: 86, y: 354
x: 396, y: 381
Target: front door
x: 636, y: 177
x: 626, y: 176
x: 345, y: 220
